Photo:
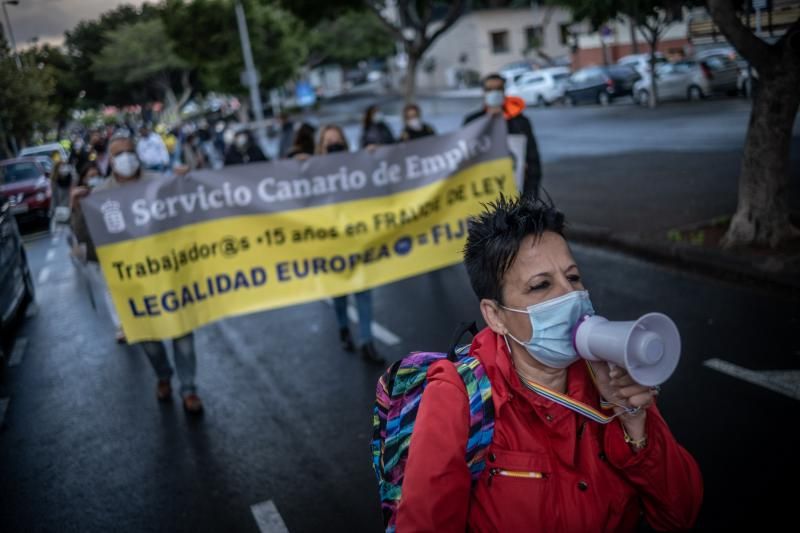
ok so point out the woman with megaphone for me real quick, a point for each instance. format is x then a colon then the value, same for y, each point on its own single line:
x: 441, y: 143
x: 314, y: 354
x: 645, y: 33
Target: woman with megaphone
x: 577, y: 445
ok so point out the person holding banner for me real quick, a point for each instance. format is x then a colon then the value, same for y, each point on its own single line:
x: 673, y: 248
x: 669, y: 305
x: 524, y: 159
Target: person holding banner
x: 511, y: 107
x: 332, y: 139
x: 414, y: 128
x: 375, y: 131
x: 560, y: 458
x: 127, y: 168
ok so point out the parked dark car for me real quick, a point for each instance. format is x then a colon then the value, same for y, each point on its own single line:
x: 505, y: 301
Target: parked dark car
x: 16, y: 282
x: 600, y: 85
x: 26, y: 187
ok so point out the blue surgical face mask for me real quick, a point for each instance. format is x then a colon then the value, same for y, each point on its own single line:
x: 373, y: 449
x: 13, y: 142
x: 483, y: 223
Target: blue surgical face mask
x: 494, y: 98
x: 553, y: 323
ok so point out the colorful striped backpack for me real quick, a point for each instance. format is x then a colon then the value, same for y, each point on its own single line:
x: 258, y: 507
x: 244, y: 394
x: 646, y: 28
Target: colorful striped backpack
x: 397, y: 400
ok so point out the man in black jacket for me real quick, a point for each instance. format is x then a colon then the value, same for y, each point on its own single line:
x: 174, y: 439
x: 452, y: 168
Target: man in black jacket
x: 496, y: 102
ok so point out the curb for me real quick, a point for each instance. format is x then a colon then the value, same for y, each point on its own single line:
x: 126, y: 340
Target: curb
x: 714, y: 263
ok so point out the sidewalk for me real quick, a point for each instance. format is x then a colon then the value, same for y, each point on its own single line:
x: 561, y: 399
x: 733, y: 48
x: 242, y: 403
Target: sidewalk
x: 677, y: 215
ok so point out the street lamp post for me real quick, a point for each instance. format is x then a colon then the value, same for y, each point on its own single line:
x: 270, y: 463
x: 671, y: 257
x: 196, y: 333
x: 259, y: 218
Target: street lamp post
x: 11, y: 32
x: 251, y: 76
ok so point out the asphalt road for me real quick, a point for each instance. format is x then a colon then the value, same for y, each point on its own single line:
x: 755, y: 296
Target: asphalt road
x: 86, y: 447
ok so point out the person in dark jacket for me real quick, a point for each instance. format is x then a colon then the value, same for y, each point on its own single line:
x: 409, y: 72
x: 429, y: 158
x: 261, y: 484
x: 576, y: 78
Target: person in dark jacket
x: 287, y: 135
x: 375, y: 129
x: 302, y: 146
x: 243, y: 150
x: 496, y: 102
x: 414, y: 128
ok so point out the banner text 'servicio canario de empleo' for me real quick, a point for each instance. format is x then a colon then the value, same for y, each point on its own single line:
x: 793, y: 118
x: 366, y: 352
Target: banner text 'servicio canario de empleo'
x: 180, y: 252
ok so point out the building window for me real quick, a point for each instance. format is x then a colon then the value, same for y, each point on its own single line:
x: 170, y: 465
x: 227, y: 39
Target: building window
x: 565, y: 34
x: 499, y: 42
x: 534, y: 37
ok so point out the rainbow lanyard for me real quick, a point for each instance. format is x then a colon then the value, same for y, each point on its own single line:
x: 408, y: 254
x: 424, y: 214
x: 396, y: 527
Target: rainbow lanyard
x: 574, y: 405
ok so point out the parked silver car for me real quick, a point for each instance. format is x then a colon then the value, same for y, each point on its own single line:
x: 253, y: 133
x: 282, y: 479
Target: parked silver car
x: 722, y: 68
x: 675, y: 81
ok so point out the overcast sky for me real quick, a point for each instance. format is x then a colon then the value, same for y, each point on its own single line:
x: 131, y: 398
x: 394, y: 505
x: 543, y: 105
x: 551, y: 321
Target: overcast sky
x: 49, y: 19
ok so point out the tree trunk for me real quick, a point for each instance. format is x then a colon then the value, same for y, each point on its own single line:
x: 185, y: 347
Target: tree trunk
x: 634, y: 41
x: 410, y: 90
x: 653, y: 86
x: 762, y: 215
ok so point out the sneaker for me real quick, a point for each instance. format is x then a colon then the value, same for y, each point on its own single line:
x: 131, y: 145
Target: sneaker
x: 346, y: 340
x: 163, y: 390
x: 192, y: 404
x: 369, y: 353
x: 120, y: 335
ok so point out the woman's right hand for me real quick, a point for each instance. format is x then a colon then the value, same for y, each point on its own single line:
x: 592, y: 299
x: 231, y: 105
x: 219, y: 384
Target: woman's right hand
x: 77, y: 193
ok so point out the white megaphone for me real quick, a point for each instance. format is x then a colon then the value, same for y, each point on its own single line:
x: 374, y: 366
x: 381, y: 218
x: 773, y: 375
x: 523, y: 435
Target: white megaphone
x: 648, y: 348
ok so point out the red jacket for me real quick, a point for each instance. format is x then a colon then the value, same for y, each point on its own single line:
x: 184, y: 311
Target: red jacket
x: 547, y: 468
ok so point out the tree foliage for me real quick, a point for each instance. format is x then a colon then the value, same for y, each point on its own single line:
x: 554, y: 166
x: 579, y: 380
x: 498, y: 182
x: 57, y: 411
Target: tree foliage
x: 206, y: 36
x: 349, y: 38
x: 87, y: 39
x: 25, y: 100
x: 141, y: 55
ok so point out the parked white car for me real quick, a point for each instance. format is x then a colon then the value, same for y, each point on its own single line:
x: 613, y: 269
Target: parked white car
x: 641, y: 62
x: 675, y: 81
x: 511, y: 71
x: 540, y: 87
x: 45, y: 149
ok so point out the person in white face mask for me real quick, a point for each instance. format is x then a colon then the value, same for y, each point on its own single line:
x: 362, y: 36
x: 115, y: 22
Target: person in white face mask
x: 511, y: 107
x: 126, y: 169
x: 414, y: 128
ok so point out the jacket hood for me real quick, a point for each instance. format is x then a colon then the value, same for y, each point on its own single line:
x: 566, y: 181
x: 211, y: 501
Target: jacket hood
x: 513, y: 106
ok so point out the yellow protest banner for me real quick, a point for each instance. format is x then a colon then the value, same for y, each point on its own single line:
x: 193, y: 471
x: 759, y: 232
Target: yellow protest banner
x: 182, y: 253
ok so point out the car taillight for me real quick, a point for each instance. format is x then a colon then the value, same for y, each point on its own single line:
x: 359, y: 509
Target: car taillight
x: 706, y: 71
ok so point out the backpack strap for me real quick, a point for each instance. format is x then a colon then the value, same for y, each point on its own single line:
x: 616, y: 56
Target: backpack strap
x: 481, y: 413
x: 461, y: 329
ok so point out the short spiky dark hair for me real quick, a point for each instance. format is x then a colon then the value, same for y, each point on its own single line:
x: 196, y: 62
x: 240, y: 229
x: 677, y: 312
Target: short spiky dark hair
x: 494, y: 238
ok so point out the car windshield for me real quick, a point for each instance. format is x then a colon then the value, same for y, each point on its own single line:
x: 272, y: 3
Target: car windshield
x: 18, y: 172
x: 561, y: 77
x: 40, y: 150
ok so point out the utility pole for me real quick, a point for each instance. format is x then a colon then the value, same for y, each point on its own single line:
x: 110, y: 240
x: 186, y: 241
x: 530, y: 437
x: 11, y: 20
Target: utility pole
x: 251, y: 76
x: 11, y: 32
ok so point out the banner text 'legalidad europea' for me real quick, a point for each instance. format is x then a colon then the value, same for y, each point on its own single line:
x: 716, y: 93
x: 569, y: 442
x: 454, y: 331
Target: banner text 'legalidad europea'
x: 180, y: 252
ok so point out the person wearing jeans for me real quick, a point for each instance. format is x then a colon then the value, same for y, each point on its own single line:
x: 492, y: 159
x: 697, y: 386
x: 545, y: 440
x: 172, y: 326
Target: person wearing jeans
x: 332, y: 139
x: 185, y: 367
x: 127, y: 169
x: 364, y: 309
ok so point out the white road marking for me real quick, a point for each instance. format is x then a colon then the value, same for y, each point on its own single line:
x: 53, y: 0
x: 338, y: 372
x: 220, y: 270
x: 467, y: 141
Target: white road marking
x: 51, y: 254
x: 3, y: 406
x: 44, y: 275
x: 381, y: 333
x: 268, y: 518
x: 786, y: 382
x: 18, y: 351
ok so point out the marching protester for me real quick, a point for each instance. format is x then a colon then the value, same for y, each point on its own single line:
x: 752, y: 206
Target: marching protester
x: 287, y: 134
x: 375, y: 131
x: 152, y: 150
x: 62, y: 177
x: 127, y: 169
x: 303, y: 144
x: 89, y: 177
x: 413, y: 127
x: 192, y: 152
x: 496, y: 102
x: 244, y: 150
x: 547, y: 464
x: 332, y: 139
